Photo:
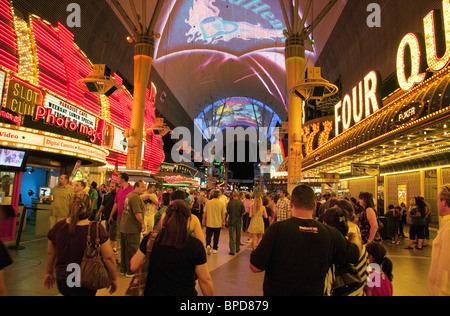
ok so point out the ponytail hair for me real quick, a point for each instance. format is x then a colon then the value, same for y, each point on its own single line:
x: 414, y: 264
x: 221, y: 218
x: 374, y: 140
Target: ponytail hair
x: 378, y: 252
x: 79, y: 209
x: 337, y: 218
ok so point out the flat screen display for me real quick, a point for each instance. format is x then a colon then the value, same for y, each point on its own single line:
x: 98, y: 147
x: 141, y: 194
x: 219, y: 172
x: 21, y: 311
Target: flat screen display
x: 11, y: 158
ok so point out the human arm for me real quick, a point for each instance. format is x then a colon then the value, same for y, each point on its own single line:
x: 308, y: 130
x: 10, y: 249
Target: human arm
x: 139, y: 257
x: 110, y: 262
x: 137, y: 260
x: 345, y: 250
x: 140, y: 219
x: 100, y: 210
x: 158, y: 225
x: 113, y: 211
x: 198, y: 232
x: 254, y: 269
x: 205, y: 214
x: 438, y: 275
x: 224, y: 214
x: 137, y: 207
x: 152, y: 198
x: 204, y: 279
x: 372, y: 218
x: 261, y: 257
x: 49, y: 279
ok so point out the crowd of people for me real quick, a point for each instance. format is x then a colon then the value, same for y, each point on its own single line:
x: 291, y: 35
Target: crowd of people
x: 306, y: 244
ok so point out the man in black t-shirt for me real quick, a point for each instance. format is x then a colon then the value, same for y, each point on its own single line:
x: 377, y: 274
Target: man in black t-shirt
x: 296, y: 254
x: 5, y: 260
x: 105, y: 211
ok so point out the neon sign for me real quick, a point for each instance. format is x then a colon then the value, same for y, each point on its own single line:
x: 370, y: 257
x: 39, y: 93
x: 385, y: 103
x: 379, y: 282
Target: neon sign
x: 22, y: 97
x: 413, y: 41
x: 416, y: 44
x: 409, y: 113
x: 365, y: 101
x: 48, y: 117
x: 11, y: 117
x: 410, y: 73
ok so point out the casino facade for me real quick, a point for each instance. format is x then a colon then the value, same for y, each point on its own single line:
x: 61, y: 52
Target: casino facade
x: 48, y: 125
x: 391, y: 136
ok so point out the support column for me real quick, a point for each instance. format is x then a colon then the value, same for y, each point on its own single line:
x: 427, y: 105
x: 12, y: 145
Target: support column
x: 143, y: 59
x: 422, y: 183
x: 295, y: 70
x: 440, y: 183
x: 386, y: 194
x: 375, y: 195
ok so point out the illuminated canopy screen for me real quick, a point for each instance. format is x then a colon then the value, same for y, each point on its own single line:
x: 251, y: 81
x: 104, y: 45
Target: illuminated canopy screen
x: 237, y: 111
x: 219, y: 25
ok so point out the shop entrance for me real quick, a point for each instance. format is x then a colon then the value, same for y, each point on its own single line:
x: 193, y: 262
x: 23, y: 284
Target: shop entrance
x: 37, y: 182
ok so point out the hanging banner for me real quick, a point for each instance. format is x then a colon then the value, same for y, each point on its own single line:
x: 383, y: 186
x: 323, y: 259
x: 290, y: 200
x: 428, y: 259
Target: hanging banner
x: 362, y: 169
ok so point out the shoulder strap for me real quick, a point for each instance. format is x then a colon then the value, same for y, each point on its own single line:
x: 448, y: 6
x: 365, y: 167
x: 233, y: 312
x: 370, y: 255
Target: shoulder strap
x: 97, y: 238
x: 88, y: 237
x: 150, y: 243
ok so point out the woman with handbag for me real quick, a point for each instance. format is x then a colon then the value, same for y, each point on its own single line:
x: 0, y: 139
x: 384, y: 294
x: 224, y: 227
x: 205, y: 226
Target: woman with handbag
x: 67, y: 245
x: 175, y: 260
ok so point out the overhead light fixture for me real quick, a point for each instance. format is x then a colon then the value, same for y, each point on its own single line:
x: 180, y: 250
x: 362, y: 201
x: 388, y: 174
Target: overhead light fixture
x: 314, y: 87
x: 100, y: 82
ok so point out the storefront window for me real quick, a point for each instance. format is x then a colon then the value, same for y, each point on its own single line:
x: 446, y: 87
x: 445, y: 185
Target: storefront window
x: 6, y: 188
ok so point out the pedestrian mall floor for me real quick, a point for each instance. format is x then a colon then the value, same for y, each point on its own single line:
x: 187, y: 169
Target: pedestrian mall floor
x: 230, y: 274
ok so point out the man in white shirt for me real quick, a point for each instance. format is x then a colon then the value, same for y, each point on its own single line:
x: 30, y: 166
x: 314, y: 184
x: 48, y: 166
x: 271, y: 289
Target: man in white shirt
x: 439, y: 275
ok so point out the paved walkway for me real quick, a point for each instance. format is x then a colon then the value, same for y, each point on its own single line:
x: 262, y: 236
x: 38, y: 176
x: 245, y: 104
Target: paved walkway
x: 231, y: 274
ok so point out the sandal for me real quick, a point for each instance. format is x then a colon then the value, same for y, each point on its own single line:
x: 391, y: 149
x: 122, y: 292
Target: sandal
x: 408, y: 247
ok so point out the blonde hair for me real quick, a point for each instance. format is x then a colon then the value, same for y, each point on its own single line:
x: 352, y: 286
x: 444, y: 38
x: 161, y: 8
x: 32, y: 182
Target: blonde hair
x: 445, y: 193
x: 257, y: 203
x: 79, y: 209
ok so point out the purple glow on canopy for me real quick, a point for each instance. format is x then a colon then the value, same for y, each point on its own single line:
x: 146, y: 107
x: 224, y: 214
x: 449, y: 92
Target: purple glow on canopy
x: 271, y: 79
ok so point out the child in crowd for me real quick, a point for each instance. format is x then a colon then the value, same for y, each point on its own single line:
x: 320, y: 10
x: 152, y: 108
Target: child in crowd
x: 380, y: 278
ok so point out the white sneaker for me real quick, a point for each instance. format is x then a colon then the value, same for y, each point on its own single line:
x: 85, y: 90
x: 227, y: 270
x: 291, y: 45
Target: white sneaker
x: 214, y: 251
x: 208, y: 250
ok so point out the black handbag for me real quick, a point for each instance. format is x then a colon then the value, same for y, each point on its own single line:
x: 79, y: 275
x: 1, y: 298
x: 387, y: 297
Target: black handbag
x: 346, y: 281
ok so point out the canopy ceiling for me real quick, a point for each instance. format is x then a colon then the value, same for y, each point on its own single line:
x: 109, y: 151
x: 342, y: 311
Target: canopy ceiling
x: 213, y: 50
